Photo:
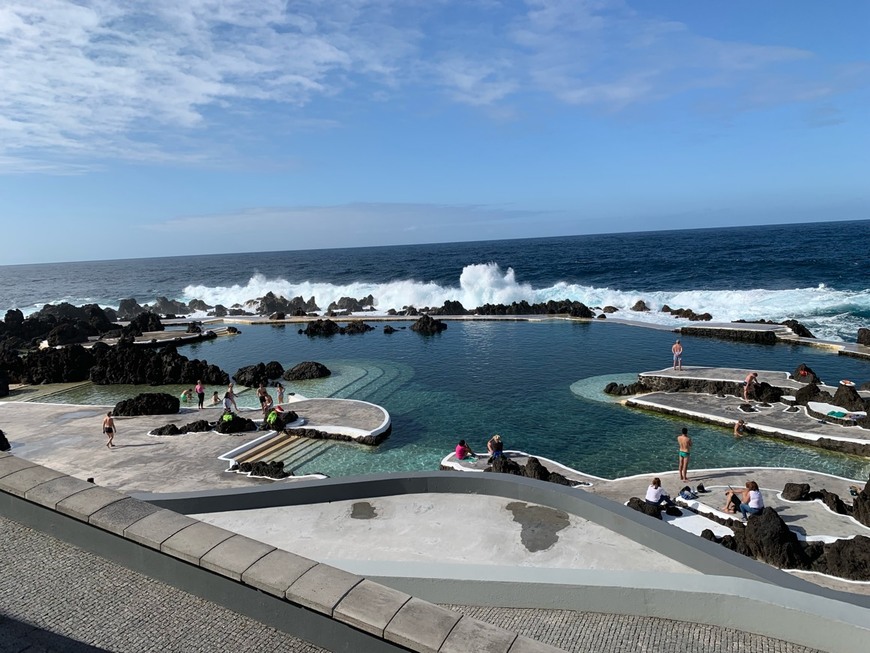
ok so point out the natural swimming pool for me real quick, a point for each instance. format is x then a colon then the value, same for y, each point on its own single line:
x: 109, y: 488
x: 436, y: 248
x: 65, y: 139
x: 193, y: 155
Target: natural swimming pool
x: 515, y: 378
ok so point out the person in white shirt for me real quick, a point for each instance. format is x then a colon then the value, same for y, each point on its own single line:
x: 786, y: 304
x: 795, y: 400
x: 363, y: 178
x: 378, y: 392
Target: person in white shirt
x: 656, y: 495
x: 752, y: 503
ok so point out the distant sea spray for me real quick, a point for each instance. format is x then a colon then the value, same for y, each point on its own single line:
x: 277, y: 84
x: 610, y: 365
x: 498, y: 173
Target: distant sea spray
x: 817, y: 273
x: 830, y: 314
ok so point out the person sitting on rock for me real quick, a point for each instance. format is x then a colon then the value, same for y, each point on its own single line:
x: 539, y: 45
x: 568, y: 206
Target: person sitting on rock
x: 495, y: 447
x: 464, y: 452
x: 656, y: 495
x: 752, y: 503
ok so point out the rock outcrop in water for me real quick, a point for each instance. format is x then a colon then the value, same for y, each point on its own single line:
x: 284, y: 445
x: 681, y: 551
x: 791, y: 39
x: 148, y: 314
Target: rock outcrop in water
x: 428, y: 326
x: 147, y: 403
x: 253, y: 375
x: 307, y: 370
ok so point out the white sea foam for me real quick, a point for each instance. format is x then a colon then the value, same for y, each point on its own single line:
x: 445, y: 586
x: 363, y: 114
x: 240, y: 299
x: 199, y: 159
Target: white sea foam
x: 830, y: 313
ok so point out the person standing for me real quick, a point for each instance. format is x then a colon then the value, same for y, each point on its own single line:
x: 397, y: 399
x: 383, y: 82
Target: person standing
x: 749, y: 385
x: 280, y: 393
x: 231, y: 395
x: 677, y: 350
x: 199, y: 389
x: 685, y: 443
x: 109, y: 429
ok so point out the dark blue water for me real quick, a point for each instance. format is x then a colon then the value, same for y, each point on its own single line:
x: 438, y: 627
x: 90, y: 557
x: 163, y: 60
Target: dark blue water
x: 818, y: 273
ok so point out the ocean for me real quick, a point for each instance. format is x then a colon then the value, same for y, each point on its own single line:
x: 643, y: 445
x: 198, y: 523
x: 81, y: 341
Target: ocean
x: 537, y: 383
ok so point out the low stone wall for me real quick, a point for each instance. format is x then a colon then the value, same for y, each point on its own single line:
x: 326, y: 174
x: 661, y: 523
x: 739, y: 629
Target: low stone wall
x: 321, y: 604
x: 757, y: 336
x: 732, y: 591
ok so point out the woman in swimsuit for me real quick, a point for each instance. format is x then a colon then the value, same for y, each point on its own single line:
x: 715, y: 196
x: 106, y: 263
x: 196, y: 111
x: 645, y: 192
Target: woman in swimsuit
x: 109, y: 429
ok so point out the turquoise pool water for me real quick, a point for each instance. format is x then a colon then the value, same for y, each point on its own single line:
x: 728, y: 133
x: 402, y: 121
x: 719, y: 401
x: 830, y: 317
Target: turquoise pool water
x: 538, y: 384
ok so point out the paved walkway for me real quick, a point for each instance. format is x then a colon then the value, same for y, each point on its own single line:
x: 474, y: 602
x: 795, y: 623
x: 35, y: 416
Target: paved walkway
x: 55, y: 597
x: 67, y: 438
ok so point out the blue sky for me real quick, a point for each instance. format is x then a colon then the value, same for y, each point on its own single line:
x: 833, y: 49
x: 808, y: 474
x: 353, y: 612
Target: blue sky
x: 195, y: 126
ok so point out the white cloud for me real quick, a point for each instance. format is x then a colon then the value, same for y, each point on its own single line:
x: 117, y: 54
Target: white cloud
x: 151, y: 80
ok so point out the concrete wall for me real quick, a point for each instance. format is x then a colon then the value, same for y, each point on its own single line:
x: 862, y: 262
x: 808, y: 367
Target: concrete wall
x: 329, y: 607
x: 733, y: 592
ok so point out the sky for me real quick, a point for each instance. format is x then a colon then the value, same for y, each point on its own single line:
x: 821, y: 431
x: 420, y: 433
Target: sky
x: 135, y: 129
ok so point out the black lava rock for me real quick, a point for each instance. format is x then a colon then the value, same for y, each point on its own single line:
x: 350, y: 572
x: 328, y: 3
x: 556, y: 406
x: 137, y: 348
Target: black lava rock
x: 147, y: 403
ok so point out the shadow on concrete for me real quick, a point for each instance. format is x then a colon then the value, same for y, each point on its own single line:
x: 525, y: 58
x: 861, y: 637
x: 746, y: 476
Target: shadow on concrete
x: 22, y: 636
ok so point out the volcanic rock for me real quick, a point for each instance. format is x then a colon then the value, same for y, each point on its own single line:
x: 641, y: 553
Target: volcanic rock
x: 798, y: 329
x: 143, y: 323
x: 199, y: 426
x: 767, y: 538
x: 147, y: 403
x: 428, y: 326
x: 198, y: 306
x: 4, y: 443
x: 612, y: 309
x: 388, y: 329
x: 811, y: 392
x: 504, y: 465
x: 450, y: 307
x: 849, y: 558
x: 253, y: 375
x: 620, y: 390
x: 65, y: 365
x: 847, y: 397
x: 864, y: 337
x: 129, y: 308
x: 4, y: 382
x: 796, y: 492
x: 321, y: 328
x: 232, y: 423
x: 861, y: 505
x: 127, y: 363
x: 307, y: 370
x: 167, y: 429
x: 219, y: 311
x: 804, y: 374
x: 642, y: 506
x: 166, y: 306
x: 356, y: 327
x: 640, y: 306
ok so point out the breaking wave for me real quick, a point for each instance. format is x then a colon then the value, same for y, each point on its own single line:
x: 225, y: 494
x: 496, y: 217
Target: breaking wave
x: 830, y: 314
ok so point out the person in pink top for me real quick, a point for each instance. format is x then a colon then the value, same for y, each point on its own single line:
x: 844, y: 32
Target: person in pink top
x: 463, y: 451
x: 199, y: 389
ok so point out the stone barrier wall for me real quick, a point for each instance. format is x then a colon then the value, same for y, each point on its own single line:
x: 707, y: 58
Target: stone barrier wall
x: 326, y: 606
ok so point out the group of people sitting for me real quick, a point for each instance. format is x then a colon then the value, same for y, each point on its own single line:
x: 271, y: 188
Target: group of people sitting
x: 747, y: 501
x: 495, y: 448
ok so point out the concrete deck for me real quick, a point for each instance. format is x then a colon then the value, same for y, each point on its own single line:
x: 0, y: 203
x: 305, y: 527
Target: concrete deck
x: 156, y: 616
x: 68, y: 438
x: 774, y: 420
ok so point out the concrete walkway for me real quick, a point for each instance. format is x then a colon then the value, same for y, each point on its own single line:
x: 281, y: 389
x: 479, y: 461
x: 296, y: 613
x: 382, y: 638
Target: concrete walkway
x: 80, y: 603
x: 67, y: 438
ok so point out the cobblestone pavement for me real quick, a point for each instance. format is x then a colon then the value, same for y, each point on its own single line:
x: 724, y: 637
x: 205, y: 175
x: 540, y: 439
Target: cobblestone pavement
x: 56, y: 597
x: 592, y: 632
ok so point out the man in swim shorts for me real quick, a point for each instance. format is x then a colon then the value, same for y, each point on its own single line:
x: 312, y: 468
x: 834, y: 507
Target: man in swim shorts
x: 677, y: 350
x: 749, y: 385
x: 685, y: 443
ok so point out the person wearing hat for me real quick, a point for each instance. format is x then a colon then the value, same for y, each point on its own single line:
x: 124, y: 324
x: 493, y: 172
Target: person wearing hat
x: 495, y: 447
